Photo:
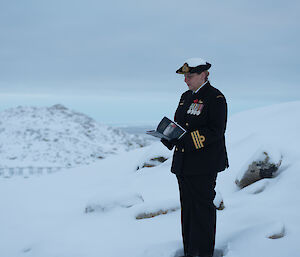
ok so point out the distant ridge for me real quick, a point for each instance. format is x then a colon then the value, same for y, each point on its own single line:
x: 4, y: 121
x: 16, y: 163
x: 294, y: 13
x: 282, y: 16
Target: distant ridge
x: 57, y: 136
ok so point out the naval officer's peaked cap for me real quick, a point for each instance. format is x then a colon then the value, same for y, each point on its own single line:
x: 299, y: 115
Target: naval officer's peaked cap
x: 193, y: 65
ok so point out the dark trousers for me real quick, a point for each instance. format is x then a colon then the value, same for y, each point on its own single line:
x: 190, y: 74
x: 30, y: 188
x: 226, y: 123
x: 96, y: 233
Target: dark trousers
x: 198, y: 213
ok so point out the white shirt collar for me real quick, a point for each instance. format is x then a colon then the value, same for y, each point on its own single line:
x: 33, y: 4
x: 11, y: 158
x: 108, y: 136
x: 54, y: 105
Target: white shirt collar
x: 195, y: 92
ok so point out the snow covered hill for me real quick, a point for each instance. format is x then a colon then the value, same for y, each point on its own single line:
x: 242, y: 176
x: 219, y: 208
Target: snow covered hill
x: 57, y: 136
x: 122, y: 206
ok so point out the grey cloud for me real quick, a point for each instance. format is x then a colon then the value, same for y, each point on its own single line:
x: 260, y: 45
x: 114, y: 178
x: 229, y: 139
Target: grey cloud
x: 120, y: 44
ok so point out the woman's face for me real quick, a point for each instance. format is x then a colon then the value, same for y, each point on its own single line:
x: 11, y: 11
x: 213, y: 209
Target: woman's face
x: 194, y: 80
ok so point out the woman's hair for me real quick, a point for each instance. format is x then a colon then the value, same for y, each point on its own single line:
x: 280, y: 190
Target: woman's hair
x: 206, y: 75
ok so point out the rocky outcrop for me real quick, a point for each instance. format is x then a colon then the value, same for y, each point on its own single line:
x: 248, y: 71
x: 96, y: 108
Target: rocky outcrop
x: 152, y: 162
x: 277, y: 231
x: 147, y: 215
x: 218, y: 201
x: 258, y: 170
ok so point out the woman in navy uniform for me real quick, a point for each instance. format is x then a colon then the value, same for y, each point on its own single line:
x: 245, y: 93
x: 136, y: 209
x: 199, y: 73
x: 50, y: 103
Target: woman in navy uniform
x: 198, y: 156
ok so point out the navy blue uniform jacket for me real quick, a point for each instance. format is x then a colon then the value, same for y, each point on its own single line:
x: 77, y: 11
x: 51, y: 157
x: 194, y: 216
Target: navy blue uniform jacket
x: 202, y: 149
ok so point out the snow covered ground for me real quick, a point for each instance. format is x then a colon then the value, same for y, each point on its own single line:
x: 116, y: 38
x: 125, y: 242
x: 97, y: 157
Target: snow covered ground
x: 105, y: 208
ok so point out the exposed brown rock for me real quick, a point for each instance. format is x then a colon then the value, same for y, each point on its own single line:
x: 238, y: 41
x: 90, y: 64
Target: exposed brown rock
x: 152, y: 162
x: 147, y: 215
x: 278, y: 235
x: 221, y: 206
x: 258, y: 170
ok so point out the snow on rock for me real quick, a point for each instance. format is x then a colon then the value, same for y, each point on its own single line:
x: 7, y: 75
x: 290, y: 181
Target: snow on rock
x: 110, y: 202
x: 154, y: 156
x: 57, y: 136
x: 276, y: 231
x: 218, y: 201
x: 273, y: 129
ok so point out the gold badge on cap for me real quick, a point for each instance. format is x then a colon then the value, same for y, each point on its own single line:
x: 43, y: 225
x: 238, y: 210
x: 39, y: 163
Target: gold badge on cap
x: 185, y: 68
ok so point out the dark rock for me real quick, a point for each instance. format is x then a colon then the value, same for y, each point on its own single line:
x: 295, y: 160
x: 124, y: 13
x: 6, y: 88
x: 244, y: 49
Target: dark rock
x: 152, y: 162
x: 221, y: 206
x: 279, y: 234
x: 147, y: 215
x: 258, y: 170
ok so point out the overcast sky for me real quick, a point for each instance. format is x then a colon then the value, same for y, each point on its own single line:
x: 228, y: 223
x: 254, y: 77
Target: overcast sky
x: 116, y: 60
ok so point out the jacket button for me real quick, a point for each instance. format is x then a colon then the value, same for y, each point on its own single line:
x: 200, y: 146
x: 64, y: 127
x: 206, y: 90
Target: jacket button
x: 176, y: 149
x: 187, y: 124
x: 182, y: 150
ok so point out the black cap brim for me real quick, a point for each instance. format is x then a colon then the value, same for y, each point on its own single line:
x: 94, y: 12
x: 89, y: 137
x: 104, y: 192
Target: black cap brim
x: 185, y: 68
